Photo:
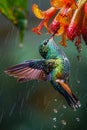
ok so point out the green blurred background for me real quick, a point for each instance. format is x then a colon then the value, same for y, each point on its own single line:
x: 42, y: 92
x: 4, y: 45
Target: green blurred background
x: 35, y: 105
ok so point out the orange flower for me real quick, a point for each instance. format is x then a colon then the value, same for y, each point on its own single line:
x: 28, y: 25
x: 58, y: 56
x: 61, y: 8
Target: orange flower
x: 70, y: 21
x: 63, y: 18
x: 44, y: 15
x: 75, y: 27
x: 84, y: 25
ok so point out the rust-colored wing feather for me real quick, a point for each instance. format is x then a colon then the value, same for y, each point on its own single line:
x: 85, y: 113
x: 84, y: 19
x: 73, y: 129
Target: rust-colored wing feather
x: 29, y: 70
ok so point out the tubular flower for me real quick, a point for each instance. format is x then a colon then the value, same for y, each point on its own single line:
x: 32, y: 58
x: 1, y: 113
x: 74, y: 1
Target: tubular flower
x: 44, y: 15
x: 84, y: 25
x: 75, y: 27
x: 63, y: 18
x: 70, y: 20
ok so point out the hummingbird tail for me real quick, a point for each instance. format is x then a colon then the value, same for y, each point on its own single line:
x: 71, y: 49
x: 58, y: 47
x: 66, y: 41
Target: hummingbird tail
x: 69, y: 96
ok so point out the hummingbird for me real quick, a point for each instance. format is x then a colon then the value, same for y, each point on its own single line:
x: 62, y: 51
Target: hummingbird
x: 53, y: 67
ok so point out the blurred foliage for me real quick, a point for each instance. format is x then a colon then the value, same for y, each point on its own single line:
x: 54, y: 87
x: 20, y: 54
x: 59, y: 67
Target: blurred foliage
x: 16, y: 11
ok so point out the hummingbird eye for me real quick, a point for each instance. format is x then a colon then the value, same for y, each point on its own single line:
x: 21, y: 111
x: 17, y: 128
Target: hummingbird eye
x: 45, y: 43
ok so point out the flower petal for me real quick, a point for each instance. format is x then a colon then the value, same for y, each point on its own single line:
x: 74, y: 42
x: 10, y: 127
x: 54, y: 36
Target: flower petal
x: 61, y: 3
x: 64, y: 16
x: 37, y: 12
x: 55, y: 25
x: 57, y: 3
x: 61, y: 20
x: 76, y: 21
x: 38, y: 28
x: 85, y: 9
x: 63, y: 41
x: 84, y: 29
x: 45, y: 15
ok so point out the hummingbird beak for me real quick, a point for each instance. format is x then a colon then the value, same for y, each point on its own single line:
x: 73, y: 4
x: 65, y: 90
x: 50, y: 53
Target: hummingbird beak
x: 52, y: 35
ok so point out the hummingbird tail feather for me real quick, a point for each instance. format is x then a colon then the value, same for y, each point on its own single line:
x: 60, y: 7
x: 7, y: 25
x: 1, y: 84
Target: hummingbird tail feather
x: 69, y: 96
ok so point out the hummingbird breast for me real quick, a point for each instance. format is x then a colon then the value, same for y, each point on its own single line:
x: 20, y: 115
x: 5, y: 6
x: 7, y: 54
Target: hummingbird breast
x: 62, y: 69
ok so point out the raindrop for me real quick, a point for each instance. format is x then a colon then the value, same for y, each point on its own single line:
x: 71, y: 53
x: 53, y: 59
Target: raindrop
x: 55, y: 100
x: 78, y: 81
x: 54, y: 119
x: 63, y: 122
x: 64, y: 106
x: 55, y: 110
x: 54, y: 126
x: 21, y: 45
x: 77, y: 119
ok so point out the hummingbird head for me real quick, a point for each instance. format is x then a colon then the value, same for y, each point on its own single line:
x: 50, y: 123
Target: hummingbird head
x: 47, y: 46
x: 44, y: 48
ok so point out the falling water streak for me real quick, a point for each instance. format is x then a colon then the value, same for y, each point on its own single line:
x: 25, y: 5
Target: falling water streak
x: 41, y: 127
x: 12, y: 110
x: 61, y: 114
x: 33, y: 86
x: 38, y: 1
x: 21, y: 106
x: 30, y: 117
x: 8, y: 37
x: 1, y: 91
x: 1, y: 117
x: 5, y: 40
x: 76, y: 73
x: 27, y: 95
x: 60, y: 105
x: 48, y: 104
x: 1, y: 73
x: 16, y: 41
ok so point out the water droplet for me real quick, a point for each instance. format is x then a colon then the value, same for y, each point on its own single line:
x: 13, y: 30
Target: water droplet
x: 55, y: 100
x: 21, y: 45
x: 78, y: 81
x: 54, y: 126
x: 55, y: 110
x: 77, y: 119
x: 54, y: 119
x: 63, y: 122
x: 64, y: 107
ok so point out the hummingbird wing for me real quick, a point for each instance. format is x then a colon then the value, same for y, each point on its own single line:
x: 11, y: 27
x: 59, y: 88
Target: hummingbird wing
x: 29, y: 70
